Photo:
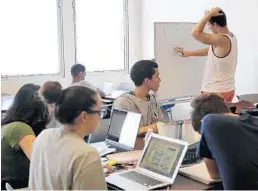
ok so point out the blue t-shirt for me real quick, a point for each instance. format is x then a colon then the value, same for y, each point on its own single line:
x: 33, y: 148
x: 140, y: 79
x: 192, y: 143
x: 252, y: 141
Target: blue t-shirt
x: 233, y: 143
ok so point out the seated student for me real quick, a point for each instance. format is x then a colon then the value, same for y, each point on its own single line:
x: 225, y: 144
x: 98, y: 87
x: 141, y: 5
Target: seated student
x: 145, y: 75
x: 61, y: 160
x: 229, y: 143
x: 78, y: 72
x: 207, y: 104
x: 24, y: 120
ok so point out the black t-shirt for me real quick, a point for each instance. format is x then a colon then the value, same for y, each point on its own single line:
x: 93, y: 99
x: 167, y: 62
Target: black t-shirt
x: 233, y: 143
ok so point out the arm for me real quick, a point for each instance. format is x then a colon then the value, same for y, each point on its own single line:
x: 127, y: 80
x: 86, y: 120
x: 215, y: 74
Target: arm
x: 26, y: 144
x: 201, y: 52
x: 209, y: 39
x: 143, y: 130
x: 22, y: 136
x: 187, y: 53
x: 212, y: 168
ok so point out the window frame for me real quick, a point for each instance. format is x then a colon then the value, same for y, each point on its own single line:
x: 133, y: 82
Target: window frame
x: 126, y: 39
x: 60, y: 41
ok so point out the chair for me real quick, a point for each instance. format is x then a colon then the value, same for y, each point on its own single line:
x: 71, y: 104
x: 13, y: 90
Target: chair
x: 253, y: 98
x: 238, y: 106
x: 125, y: 86
x: 8, y: 186
x: 101, y: 132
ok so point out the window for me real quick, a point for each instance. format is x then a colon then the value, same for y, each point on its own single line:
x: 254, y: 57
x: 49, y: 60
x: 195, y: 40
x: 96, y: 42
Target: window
x: 100, y: 34
x: 29, y: 40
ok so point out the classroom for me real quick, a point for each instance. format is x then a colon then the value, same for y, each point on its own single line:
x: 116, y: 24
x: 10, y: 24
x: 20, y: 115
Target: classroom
x: 129, y: 95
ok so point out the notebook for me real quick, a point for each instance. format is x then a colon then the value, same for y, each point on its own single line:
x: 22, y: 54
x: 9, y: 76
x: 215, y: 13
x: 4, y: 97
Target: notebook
x: 198, y: 172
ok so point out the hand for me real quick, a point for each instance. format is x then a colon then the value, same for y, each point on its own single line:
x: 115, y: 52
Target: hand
x: 183, y: 53
x: 107, y: 166
x: 215, y: 12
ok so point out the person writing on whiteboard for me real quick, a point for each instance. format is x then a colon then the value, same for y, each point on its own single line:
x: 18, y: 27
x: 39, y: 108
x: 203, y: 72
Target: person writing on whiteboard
x: 145, y: 75
x: 220, y: 68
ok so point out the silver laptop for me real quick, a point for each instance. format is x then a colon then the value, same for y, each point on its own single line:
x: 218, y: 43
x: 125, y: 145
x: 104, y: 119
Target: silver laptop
x: 157, y: 168
x: 122, y: 132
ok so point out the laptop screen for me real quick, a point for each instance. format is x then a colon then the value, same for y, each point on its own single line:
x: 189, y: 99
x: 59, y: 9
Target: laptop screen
x: 123, y: 127
x: 161, y: 156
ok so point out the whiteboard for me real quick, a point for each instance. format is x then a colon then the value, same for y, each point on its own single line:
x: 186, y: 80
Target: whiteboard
x: 179, y: 76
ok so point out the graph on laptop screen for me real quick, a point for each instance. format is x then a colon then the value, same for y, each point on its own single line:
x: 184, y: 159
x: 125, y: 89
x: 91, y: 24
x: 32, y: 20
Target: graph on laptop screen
x: 161, y: 157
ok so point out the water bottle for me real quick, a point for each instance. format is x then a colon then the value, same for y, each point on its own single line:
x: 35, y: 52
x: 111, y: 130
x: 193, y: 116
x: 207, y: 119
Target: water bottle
x: 147, y: 135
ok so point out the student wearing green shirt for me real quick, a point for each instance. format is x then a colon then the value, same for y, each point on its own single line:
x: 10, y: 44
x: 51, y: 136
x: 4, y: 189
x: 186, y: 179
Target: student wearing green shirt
x: 25, y: 119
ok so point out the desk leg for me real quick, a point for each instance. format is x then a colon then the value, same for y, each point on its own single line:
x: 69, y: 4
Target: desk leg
x: 180, y: 130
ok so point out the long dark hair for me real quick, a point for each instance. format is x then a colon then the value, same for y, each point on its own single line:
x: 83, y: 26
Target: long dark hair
x: 28, y: 108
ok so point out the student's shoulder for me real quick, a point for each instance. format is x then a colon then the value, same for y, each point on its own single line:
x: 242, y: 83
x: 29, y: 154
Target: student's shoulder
x: 124, y: 99
x: 220, y: 118
x: 86, y: 152
x: 218, y: 122
x: 17, y: 128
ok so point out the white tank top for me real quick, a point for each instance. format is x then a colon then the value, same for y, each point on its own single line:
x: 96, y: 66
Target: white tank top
x: 219, y: 72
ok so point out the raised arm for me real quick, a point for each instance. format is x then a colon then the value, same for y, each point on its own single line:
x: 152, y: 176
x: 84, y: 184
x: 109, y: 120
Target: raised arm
x: 206, y: 38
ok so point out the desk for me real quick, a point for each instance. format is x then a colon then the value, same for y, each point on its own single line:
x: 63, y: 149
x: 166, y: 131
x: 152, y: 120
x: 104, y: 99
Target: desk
x: 184, y: 183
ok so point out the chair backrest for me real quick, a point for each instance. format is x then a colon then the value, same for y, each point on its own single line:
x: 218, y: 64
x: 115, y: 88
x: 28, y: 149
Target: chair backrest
x: 253, y: 98
x: 108, y: 87
x: 100, y: 134
x: 125, y: 86
x: 8, y: 186
x: 241, y: 105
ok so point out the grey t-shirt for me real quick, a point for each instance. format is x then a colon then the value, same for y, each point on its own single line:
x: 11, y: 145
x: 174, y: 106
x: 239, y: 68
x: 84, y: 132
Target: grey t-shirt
x: 61, y: 160
x: 88, y: 85
x: 150, y: 110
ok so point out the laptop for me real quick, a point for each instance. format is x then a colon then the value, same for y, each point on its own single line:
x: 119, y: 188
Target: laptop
x: 122, y: 132
x: 157, y: 168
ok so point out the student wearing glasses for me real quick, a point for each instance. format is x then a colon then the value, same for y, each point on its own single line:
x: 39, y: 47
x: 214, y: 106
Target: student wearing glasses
x: 61, y: 160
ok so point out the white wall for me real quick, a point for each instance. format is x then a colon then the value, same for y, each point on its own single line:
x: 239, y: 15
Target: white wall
x: 191, y: 11
x: 142, y: 15
x: 12, y: 84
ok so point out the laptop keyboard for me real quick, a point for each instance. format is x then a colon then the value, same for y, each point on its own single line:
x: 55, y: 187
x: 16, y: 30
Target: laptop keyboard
x: 190, y: 158
x: 141, y: 178
x: 120, y: 150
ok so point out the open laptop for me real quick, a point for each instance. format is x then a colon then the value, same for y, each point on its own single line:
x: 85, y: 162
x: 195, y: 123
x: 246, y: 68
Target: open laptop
x: 157, y: 168
x: 122, y: 132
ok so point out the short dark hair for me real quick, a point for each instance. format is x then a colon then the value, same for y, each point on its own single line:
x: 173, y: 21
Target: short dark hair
x: 51, y: 91
x: 28, y: 108
x: 72, y: 102
x: 141, y: 70
x: 77, y: 69
x: 207, y: 104
x: 220, y: 20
